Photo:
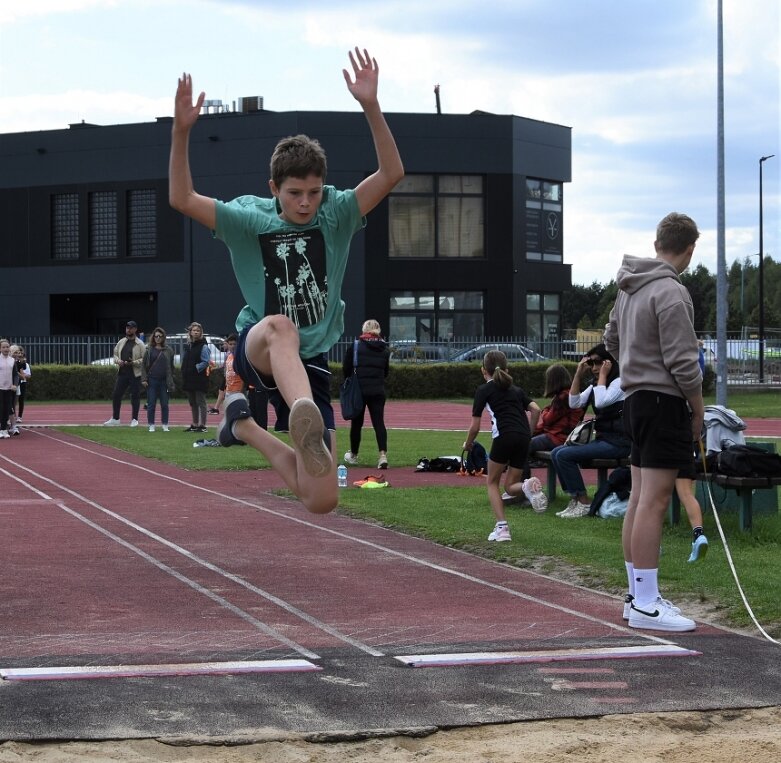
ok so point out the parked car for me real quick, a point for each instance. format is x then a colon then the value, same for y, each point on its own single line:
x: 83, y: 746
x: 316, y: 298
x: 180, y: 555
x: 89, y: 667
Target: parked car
x: 177, y: 342
x: 515, y: 353
x: 411, y: 351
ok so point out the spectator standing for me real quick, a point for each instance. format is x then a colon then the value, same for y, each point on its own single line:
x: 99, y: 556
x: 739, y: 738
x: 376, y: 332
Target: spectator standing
x: 651, y: 328
x: 372, y: 370
x: 24, y: 371
x: 128, y: 354
x: 606, y: 397
x: 289, y: 255
x: 195, y: 376
x: 9, y: 379
x: 510, y: 434
x: 157, y: 377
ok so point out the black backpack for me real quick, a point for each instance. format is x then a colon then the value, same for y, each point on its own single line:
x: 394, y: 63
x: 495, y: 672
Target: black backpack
x: 748, y: 461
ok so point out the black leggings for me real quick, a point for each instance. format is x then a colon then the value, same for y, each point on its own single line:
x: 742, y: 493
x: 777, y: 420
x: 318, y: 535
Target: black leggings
x: 20, y: 399
x: 6, y: 406
x: 376, y: 406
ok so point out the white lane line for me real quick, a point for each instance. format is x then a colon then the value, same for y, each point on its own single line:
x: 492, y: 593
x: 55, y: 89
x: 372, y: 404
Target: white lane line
x: 543, y: 655
x: 289, y: 608
x: 149, y: 671
x: 393, y: 552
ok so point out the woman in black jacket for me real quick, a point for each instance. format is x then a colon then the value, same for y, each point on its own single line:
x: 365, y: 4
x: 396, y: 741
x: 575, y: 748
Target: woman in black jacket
x: 372, y: 369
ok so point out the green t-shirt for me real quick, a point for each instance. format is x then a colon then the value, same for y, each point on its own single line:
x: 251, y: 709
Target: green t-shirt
x: 293, y: 270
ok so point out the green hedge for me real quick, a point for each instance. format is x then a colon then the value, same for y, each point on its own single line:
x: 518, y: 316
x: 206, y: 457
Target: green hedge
x: 406, y: 381
x: 422, y: 381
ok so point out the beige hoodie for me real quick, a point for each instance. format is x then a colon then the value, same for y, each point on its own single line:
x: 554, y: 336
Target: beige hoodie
x: 651, y: 330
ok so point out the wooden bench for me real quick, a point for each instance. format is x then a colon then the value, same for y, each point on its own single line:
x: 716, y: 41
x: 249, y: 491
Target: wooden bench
x: 743, y: 486
x: 602, y: 465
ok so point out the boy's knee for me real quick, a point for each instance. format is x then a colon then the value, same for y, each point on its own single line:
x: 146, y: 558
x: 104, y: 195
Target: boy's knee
x: 276, y: 327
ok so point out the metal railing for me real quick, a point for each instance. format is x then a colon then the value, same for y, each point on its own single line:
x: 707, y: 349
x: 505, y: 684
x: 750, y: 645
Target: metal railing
x: 742, y: 352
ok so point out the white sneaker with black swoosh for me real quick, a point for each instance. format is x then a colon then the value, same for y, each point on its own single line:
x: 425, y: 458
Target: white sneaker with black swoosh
x: 659, y: 615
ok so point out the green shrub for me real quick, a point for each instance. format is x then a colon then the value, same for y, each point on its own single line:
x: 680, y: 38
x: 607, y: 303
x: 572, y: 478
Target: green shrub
x: 77, y: 382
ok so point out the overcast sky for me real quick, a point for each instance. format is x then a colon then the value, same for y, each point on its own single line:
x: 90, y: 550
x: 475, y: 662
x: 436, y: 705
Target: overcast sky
x: 636, y: 80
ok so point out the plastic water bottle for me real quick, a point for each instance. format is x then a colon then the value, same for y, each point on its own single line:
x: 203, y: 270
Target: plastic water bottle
x: 341, y: 475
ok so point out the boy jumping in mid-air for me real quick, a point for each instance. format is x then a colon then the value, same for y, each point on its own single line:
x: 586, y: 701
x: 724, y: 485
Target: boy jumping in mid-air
x: 289, y: 255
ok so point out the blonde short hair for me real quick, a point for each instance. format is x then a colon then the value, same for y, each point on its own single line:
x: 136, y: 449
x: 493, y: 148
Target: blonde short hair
x: 371, y: 327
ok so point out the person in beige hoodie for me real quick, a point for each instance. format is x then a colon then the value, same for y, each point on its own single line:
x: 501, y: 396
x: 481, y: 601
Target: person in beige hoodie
x: 651, y: 332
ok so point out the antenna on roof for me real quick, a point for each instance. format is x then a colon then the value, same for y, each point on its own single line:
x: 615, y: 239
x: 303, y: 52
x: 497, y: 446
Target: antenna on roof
x: 436, y: 95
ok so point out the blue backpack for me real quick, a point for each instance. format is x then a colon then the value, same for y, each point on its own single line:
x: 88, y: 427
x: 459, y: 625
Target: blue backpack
x: 475, y: 461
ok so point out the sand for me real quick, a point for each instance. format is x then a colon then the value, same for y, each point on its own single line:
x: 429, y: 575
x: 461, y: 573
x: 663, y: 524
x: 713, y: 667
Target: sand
x: 739, y: 736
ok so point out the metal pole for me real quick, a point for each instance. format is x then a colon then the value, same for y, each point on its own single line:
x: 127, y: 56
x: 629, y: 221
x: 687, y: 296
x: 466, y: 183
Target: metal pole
x: 761, y: 280
x: 721, y: 260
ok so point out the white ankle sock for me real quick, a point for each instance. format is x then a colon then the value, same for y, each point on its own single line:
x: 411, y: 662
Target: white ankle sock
x: 630, y: 576
x: 646, y: 586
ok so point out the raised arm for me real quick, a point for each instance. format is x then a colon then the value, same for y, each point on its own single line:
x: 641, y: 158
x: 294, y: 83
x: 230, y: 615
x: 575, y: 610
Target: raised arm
x: 371, y: 191
x: 181, y: 194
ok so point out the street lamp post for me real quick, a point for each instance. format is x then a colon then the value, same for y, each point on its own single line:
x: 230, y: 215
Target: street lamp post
x: 761, y: 280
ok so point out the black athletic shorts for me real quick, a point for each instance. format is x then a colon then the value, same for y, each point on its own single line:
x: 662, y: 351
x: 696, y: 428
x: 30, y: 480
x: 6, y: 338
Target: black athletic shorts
x: 317, y: 372
x: 511, y: 448
x: 660, y: 428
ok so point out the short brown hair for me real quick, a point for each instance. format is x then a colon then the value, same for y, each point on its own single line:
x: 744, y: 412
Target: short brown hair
x: 675, y: 233
x: 297, y: 156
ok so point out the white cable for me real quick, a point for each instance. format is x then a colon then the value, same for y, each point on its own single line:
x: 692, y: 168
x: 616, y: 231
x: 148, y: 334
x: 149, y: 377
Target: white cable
x: 729, y: 556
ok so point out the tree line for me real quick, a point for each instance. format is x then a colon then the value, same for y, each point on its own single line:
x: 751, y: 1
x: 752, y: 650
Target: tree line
x: 589, y: 306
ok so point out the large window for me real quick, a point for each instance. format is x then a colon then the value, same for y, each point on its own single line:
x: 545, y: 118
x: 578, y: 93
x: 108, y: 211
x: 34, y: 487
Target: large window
x: 103, y: 224
x: 95, y: 218
x: 543, y: 321
x: 543, y: 220
x: 142, y: 223
x: 437, y: 216
x: 427, y: 316
x: 65, y: 226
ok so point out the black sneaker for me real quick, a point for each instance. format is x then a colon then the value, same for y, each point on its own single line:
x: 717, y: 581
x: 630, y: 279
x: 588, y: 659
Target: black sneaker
x: 192, y: 428
x: 236, y: 407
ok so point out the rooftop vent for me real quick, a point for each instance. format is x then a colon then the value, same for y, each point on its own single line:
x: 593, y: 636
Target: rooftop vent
x: 253, y: 103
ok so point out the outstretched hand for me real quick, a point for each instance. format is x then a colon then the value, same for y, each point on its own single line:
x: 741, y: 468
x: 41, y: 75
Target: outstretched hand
x: 366, y: 72
x: 185, y: 112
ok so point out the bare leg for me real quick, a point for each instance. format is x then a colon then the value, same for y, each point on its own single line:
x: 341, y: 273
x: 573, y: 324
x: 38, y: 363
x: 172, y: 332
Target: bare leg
x: 513, y: 482
x: 495, y: 472
x: 272, y: 347
x: 685, y: 489
x: 656, y: 486
x: 319, y: 495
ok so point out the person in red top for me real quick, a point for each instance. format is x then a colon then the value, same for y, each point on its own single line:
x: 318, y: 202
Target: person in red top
x: 557, y: 419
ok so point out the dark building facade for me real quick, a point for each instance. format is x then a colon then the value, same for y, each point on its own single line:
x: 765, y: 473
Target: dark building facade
x: 470, y: 243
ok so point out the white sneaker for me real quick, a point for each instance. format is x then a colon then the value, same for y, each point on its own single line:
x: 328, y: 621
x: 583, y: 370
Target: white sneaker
x: 382, y: 463
x: 568, y: 507
x: 4, y: 435
x: 111, y: 423
x: 532, y: 489
x: 133, y: 422
x: 500, y: 534
x: 578, y: 510
x: 19, y: 420
x: 628, y: 599
x: 349, y: 458
x: 659, y: 615
x: 165, y: 427
x: 151, y: 427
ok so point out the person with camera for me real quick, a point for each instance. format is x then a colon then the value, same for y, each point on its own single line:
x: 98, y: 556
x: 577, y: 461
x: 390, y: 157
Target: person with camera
x: 128, y: 356
x: 606, y: 397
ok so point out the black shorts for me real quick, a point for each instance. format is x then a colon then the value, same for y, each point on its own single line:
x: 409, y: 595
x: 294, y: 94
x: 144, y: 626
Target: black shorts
x: 660, y: 428
x: 317, y: 372
x: 511, y: 448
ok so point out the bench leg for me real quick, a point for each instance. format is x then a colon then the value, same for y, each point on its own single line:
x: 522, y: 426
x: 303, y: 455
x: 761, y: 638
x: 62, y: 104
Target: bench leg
x: 746, y: 513
x: 551, y: 482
